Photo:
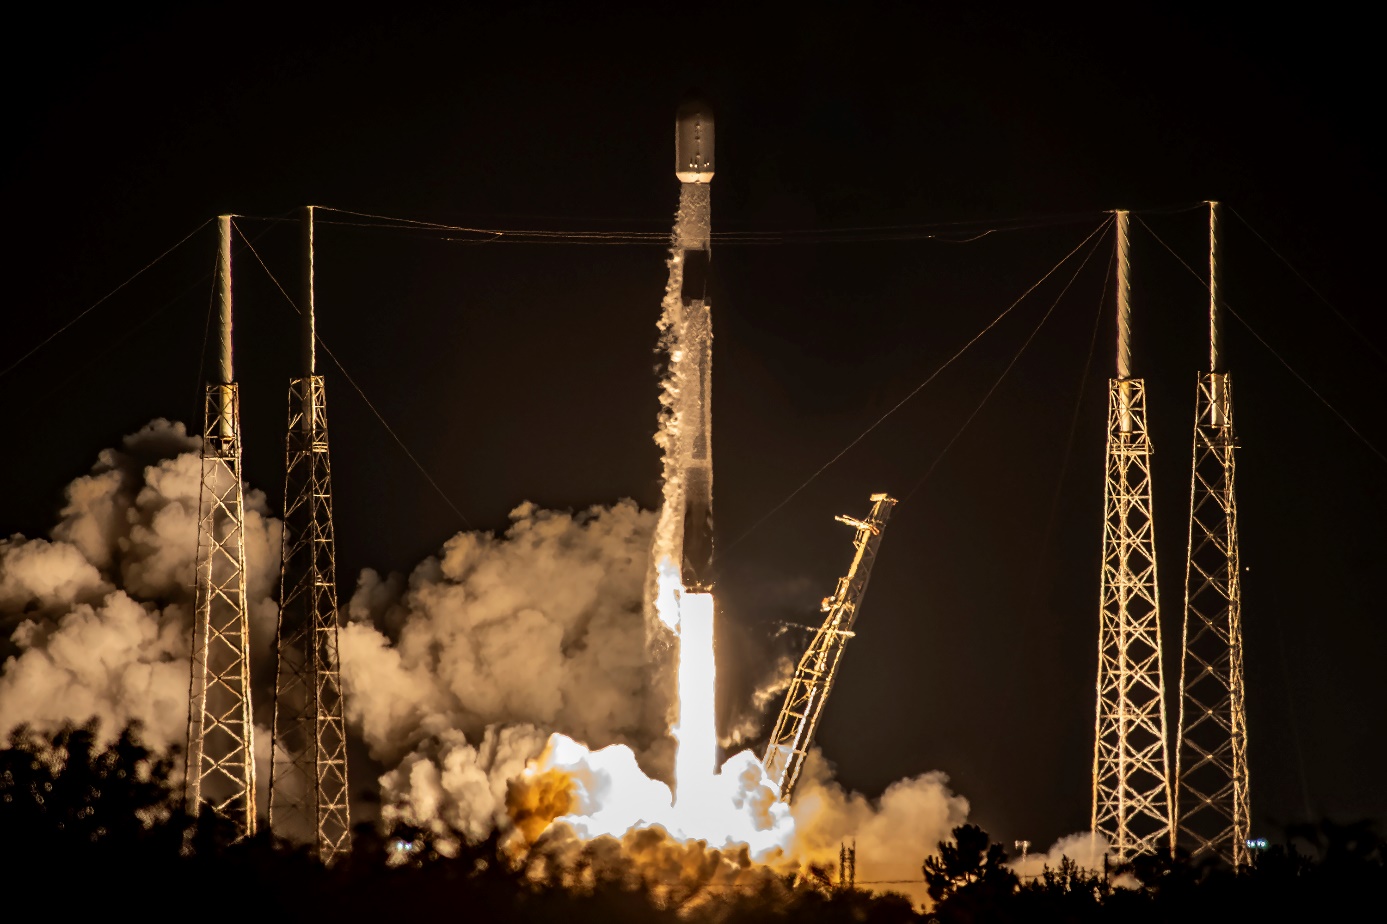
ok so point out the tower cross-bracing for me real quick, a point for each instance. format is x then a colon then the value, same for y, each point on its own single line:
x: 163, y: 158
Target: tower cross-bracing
x: 308, y: 775
x: 804, y: 701
x: 1211, y: 758
x: 1131, y: 785
x: 221, y: 747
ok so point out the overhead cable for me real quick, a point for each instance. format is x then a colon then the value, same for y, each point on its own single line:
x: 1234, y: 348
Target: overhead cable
x: 949, y: 445
x: 1309, y: 285
x: 942, y: 232
x: 1270, y: 349
x: 918, y: 388
x: 8, y: 369
x: 351, y: 381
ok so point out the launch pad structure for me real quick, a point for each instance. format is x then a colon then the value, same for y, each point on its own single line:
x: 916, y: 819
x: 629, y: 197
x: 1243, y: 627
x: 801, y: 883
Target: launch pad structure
x: 1131, y: 781
x: 221, y: 747
x: 1212, y: 808
x: 308, y: 772
x: 308, y: 777
x: 1138, y: 804
x: 818, y: 667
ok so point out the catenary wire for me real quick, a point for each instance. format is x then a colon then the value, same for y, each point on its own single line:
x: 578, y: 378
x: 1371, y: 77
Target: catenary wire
x: 1025, y: 626
x: 351, y: 381
x: 1309, y: 285
x: 918, y: 388
x: 1073, y: 424
x: 45, y: 341
x: 1270, y: 349
x: 853, y: 233
x: 997, y: 384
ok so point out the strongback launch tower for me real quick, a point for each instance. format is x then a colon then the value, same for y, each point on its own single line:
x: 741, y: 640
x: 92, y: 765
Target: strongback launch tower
x: 693, y: 165
x: 804, y: 701
x: 308, y: 775
x: 1211, y: 757
x: 1131, y: 786
x: 221, y: 749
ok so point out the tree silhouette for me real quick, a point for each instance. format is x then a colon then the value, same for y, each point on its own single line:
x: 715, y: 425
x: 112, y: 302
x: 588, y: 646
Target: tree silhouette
x: 101, y: 819
x: 64, y: 793
x: 969, y: 881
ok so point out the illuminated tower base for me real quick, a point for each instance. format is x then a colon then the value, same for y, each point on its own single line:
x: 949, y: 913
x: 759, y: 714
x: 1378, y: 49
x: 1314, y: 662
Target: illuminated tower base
x: 308, y: 778
x: 1212, y: 758
x: 221, y: 765
x: 1131, y: 796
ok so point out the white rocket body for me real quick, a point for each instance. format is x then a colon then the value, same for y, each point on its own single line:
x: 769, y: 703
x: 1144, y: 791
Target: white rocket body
x: 693, y: 152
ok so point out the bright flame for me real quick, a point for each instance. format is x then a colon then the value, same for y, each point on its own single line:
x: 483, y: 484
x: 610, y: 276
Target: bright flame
x: 667, y: 587
x: 696, y: 761
x: 612, y: 795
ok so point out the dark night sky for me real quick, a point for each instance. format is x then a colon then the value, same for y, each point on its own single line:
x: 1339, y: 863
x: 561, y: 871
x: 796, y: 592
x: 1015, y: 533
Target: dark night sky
x: 525, y: 372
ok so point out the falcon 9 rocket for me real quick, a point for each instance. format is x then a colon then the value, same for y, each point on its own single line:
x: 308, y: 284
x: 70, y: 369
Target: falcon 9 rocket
x: 693, y: 165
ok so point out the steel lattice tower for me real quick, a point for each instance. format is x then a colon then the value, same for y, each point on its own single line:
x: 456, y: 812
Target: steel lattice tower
x: 221, y: 747
x: 308, y: 775
x: 1131, y: 785
x: 804, y: 700
x: 1211, y: 758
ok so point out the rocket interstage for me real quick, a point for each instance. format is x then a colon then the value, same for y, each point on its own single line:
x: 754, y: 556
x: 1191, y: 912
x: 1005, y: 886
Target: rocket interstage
x: 693, y: 151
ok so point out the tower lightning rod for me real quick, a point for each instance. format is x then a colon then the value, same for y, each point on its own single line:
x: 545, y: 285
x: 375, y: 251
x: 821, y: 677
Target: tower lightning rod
x: 306, y: 311
x: 1215, y: 313
x: 1124, y: 298
x: 224, y: 300
x: 1124, y: 320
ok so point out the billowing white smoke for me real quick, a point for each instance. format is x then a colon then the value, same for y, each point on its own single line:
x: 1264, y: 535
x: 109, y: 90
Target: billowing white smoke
x: 99, y: 618
x: 1088, y: 849
x: 893, y: 834
x: 495, y: 643
x: 455, y: 676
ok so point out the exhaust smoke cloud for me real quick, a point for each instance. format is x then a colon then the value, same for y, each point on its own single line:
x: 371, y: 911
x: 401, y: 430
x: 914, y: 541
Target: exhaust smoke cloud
x: 503, y: 684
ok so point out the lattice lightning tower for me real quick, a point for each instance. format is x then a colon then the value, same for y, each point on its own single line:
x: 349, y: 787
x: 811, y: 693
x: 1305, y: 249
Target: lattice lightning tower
x: 1131, y: 785
x: 308, y: 775
x: 1211, y: 758
x: 804, y: 701
x: 221, y: 749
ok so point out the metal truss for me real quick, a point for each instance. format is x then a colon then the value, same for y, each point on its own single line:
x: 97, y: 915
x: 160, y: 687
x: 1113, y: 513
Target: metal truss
x: 1211, y: 759
x: 308, y: 775
x: 804, y: 701
x: 221, y: 749
x: 1131, y: 786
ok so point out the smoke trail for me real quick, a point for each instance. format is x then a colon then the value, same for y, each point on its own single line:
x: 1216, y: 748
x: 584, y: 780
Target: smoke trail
x: 667, y: 544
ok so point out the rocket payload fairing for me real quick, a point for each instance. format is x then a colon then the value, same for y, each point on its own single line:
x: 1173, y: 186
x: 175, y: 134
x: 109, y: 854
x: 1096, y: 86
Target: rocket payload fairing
x: 693, y: 165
